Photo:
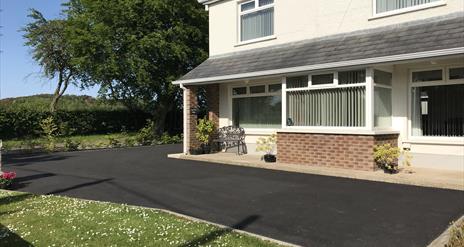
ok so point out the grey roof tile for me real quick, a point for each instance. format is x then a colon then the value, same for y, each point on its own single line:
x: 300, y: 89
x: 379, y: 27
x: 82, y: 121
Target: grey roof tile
x: 425, y: 35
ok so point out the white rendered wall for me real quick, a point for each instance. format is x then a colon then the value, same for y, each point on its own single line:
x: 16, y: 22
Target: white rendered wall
x: 305, y: 19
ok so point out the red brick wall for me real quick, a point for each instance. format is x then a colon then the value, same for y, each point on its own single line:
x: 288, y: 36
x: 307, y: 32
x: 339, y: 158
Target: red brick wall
x: 212, y: 94
x: 330, y: 150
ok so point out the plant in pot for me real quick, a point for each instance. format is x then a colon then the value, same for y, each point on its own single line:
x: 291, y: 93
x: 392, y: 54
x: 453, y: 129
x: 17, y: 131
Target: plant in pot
x: 205, y: 129
x: 386, y: 156
x: 267, y: 144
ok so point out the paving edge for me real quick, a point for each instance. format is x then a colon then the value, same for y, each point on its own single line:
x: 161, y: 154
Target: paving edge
x: 443, y: 239
x: 334, y: 173
x: 184, y: 216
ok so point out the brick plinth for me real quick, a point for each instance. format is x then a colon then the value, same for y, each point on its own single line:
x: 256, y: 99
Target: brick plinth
x: 212, y: 96
x: 331, y: 150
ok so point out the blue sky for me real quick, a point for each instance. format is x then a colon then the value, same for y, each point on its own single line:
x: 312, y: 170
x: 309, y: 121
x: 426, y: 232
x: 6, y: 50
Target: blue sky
x: 19, y: 74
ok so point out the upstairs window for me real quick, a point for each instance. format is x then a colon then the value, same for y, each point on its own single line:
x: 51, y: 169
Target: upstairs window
x: 387, y: 6
x: 256, y: 19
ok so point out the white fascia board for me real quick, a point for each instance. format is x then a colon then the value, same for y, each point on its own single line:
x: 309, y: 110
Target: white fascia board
x: 357, y: 62
x: 206, y: 2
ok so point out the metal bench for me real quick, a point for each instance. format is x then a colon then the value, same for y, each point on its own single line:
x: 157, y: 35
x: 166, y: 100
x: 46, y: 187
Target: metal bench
x: 231, y: 136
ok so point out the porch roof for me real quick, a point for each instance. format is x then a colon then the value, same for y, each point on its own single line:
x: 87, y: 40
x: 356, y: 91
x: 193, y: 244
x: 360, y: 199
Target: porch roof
x: 433, y: 37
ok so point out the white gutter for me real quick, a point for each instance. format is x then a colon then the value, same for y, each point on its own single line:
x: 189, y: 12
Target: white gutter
x: 185, y: 124
x: 357, y: 62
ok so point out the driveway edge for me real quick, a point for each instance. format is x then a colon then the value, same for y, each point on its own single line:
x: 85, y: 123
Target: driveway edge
x: 442, y: 240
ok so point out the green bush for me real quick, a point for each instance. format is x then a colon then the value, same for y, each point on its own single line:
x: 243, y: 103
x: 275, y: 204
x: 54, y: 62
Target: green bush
x: 49, y: 130
x: 386, y: 157
x: 71, y: 145
x: 205, y: 129
x: 113, y: 142
x: 146, y: 135
x: 167, y: 139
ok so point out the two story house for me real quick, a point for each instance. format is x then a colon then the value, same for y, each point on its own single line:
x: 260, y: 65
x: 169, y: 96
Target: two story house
x: 335, y: 78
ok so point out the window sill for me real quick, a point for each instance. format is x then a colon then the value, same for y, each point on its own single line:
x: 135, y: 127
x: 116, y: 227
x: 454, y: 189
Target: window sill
x: 255, y: 40
x: 407, y: 10
x: 338, y: 131
x: 436, y: 140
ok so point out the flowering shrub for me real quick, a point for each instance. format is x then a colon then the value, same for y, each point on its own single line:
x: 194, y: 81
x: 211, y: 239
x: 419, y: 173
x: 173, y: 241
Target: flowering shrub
x: 6, y: 179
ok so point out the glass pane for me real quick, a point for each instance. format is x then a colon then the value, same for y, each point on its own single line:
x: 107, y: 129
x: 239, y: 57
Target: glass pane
x: 297, y: 81
x: 342, y: 107
x: 322, y: 79
x: 257, y: 112
x: 247, y: 6
x: 352, y: 77
x: 265, y: 2
x: 390, y: 5
x: 438, y: 111
x: 258, y: 89
x: 239, y: 90
x: 382, y: 107
x: 456, y: 73
x: 382, y: 77
x: 275, y: 88
x: 431, y: 75
x: 257, y: 24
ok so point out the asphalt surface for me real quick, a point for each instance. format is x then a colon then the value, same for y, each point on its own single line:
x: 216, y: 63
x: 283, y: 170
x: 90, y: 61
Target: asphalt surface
x: 303, y: 209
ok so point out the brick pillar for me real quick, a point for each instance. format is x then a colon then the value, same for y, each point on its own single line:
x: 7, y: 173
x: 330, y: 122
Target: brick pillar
x: 191, y: 103
x: 212, y: 96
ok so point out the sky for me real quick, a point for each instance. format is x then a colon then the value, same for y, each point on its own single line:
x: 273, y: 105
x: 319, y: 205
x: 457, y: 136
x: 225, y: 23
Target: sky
x: 19, y: 73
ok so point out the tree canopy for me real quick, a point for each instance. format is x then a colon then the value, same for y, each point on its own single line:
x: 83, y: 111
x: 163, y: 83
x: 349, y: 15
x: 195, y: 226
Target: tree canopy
x: 134, y: 49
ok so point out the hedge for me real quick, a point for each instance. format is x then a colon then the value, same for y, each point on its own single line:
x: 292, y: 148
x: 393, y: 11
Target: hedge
x: 26, y: 122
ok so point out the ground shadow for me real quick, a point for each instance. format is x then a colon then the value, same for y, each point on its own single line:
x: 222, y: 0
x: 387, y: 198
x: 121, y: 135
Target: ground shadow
x: 22, y: 182
x: 27, y: 159
x: 15, y: 198
x: 209, y: 237
x: 9, y: 238
x: 58, y: 191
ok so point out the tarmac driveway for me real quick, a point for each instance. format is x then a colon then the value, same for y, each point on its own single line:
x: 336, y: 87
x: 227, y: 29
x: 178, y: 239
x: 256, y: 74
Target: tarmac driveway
x: 304, y: 209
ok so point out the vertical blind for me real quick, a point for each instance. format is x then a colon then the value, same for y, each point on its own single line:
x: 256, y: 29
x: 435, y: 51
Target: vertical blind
x: 438, y: 110
x: 389, y: 5
x: 340, y: 107
x: 257, y: 24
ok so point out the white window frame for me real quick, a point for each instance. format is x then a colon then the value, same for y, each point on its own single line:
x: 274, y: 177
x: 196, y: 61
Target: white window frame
x: 368, y: 85
x: 404, y: 10
x: 250, y: 95
x: 445, y: 81
x: 239, y: 20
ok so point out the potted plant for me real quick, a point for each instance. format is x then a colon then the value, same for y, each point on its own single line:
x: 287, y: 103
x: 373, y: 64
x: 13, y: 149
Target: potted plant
x: 6, y: 179
x: 386, y: 157
x: 267, y: 144
x: 205, y: 129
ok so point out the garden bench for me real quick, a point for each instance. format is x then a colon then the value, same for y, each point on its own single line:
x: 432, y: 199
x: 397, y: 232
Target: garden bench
x: 231, y: 136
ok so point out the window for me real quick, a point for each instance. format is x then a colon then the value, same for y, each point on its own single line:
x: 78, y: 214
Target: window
x: 260, y: 111
x: 258, y: 89
x: 352, y: 77
x: 297, y: 81
x: 322, y: 79
x: 385, y: 6
x: 382, y: 99
x: 342, y: 105
x: 427, y: 75
x: 437, y: 103
x: 456, y: 73
x: 256, y: 19
x: 239, y: 90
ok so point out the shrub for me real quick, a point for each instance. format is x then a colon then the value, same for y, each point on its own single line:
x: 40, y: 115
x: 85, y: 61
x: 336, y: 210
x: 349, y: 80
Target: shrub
x: 129, y: 142
x: 456, y: 236
x: 6, y: 179
x: 49, y: 130
x: 113, y: 142
x: 71, y: 145
x: 146, y: 135
x: 205, y: 128
x: 386, y: 157
x: 167, y: 139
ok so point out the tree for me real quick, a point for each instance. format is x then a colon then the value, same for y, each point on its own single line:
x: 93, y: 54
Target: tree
x: 134, y: 49
x: 50, y: 48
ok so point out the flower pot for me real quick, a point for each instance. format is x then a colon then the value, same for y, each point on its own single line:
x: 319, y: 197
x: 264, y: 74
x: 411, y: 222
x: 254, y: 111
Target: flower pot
x: 270, y: 158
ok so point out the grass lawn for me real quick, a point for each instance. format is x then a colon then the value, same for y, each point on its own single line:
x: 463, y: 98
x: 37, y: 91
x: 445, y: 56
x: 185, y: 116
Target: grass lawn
x: 27, y: 219
x: 85, y: 141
